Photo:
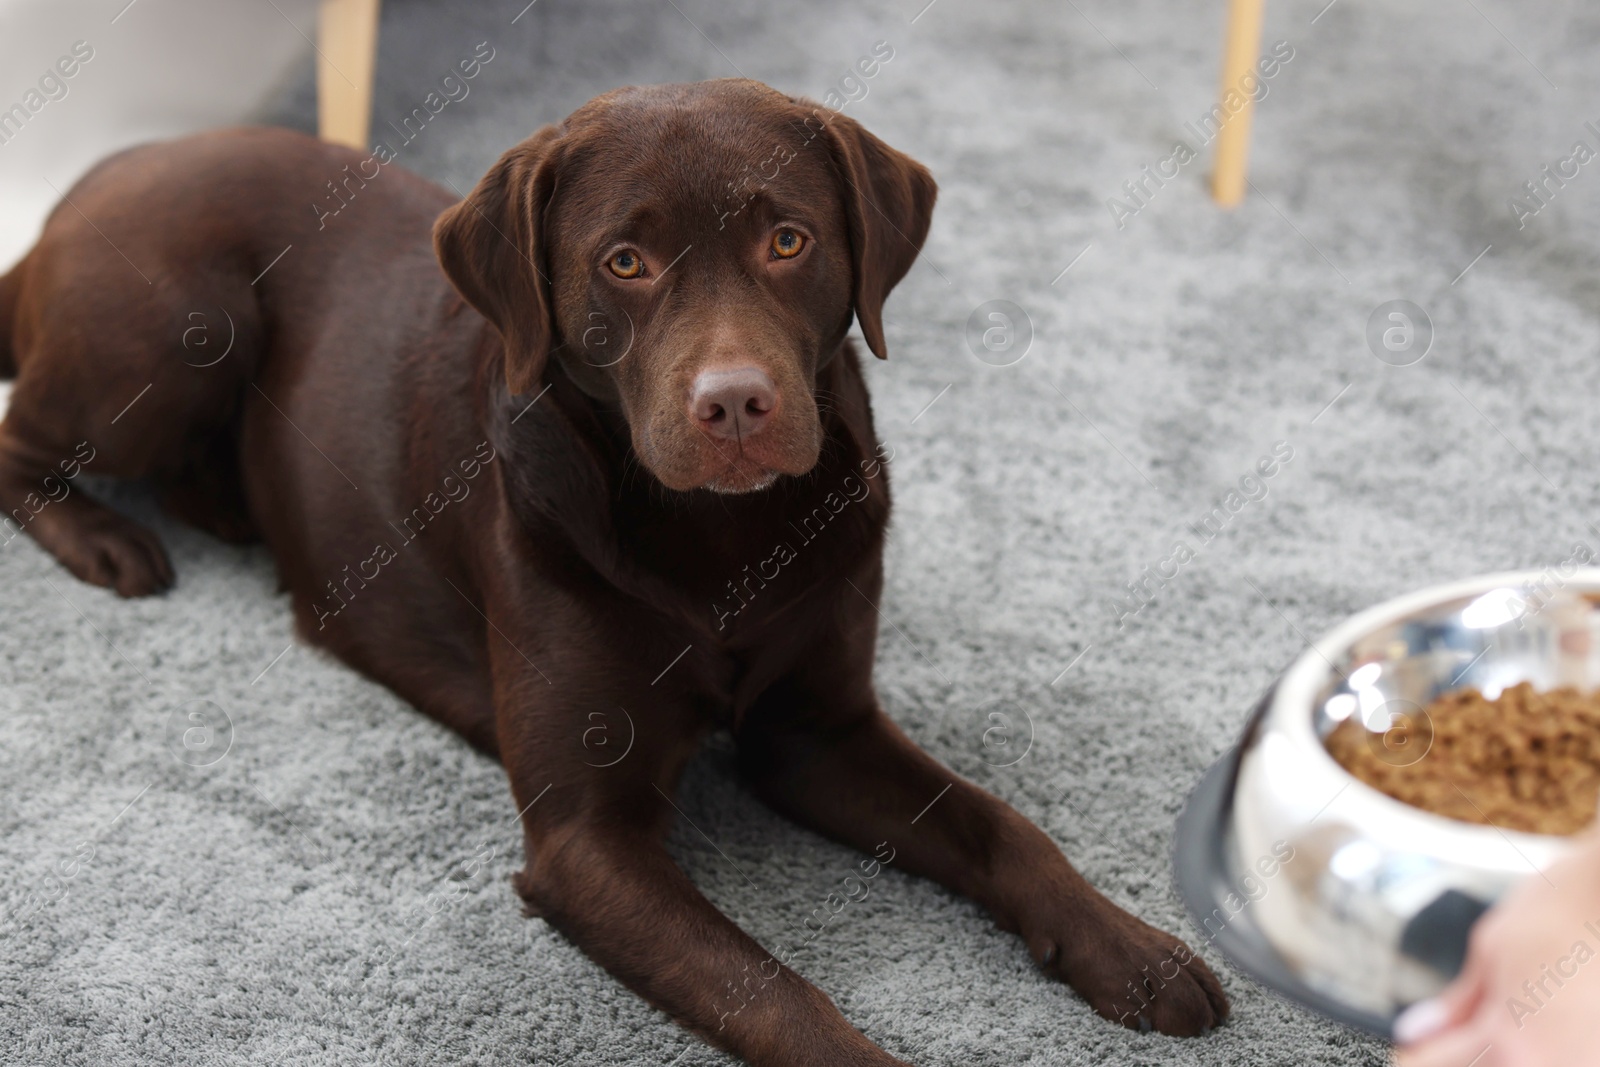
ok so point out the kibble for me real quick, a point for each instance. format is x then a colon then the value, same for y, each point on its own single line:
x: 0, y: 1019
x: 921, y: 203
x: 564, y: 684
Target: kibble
x: 1523, y: 761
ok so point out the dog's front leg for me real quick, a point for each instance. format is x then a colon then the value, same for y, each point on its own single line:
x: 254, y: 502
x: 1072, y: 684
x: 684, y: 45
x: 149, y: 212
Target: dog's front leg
x: 596, y: 870
x: 613, y: 890
x: 830, y: 759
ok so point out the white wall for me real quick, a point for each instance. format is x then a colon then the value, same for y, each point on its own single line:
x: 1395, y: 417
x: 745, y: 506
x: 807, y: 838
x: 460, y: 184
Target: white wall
x: 160, y: 68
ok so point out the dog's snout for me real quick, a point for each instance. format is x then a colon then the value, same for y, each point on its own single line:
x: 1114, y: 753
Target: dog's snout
x: 733, y: 402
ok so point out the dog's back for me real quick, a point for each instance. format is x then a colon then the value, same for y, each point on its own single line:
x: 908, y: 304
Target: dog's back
x: 143, y: 320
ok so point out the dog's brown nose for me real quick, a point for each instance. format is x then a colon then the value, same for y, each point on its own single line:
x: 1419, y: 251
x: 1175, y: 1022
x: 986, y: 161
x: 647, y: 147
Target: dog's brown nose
x: 736, y: 402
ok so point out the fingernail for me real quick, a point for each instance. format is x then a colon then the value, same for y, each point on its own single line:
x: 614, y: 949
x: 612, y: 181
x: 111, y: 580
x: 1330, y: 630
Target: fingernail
x: 1420, y: 1021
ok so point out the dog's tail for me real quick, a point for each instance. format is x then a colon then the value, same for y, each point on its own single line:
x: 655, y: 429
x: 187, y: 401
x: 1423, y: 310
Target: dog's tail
x: 10, y: 286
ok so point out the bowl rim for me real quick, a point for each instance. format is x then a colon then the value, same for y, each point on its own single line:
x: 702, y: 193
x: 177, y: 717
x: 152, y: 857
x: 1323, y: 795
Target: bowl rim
x: 1202, y: 842
x: 1294, y: 697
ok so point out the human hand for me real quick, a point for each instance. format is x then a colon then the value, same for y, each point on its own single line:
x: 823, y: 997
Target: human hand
x: 1529, y: 994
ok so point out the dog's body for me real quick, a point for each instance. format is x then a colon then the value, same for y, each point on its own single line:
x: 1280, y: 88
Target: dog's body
x: 559, y: 570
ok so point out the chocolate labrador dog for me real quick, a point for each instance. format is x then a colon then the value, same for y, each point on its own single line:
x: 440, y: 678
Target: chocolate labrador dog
x: 587, y: 449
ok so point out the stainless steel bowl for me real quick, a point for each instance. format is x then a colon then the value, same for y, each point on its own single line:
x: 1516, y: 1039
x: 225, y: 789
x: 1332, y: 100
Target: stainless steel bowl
x: 1325, y: 889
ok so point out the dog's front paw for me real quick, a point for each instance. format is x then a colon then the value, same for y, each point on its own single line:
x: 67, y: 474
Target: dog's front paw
x: 1134, y: 974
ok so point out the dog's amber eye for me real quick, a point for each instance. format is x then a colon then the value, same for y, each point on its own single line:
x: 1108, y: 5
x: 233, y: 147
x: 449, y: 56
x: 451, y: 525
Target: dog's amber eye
x: 626, y: 265
x: 786, y: 244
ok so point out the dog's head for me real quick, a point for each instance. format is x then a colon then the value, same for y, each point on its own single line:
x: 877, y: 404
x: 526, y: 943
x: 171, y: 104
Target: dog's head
x: 692, y: 254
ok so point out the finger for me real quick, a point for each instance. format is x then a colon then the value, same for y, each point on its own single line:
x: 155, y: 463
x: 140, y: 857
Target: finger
x: 1462, y: 1047
x: 1448, y: 1010
x: 1429, y: 1018
x: 1423, y: 1020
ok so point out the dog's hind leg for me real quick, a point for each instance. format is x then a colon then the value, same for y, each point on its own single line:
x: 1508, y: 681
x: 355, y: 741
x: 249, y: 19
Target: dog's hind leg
x: 107, y: 385
x: 39, y: 496
x: 206, y: 491
x: 85, y: 404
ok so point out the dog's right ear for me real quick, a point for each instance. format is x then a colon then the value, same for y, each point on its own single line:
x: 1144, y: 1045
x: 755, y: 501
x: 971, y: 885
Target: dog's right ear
x: 491, y: 246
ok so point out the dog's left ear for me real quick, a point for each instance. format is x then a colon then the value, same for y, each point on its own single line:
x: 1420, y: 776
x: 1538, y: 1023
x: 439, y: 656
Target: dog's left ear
x: 888, y: 201
x: 491, y: 247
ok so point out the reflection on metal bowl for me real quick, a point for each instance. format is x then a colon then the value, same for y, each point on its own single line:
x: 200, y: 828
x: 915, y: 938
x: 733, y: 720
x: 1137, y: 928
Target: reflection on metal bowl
x: 1325, y: 889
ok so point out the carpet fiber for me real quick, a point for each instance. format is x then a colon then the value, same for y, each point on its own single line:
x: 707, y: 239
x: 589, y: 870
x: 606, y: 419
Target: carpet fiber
x: 333, y: 889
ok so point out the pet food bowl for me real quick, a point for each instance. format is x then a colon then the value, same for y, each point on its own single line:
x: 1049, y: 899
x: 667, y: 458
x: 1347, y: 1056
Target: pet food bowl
x: 1328, y: 891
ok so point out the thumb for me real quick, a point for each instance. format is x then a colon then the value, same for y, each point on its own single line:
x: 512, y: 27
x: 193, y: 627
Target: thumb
x: 1448, y: 1010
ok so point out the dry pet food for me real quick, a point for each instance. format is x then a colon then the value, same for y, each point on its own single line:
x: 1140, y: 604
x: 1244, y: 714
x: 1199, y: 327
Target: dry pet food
x: 1523, y: 761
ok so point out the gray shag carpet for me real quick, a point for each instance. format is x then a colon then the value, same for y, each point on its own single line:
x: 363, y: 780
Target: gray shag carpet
x: 333, y: 888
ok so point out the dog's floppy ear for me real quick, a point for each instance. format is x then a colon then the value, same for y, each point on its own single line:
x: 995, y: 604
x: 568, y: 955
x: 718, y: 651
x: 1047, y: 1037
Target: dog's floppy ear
x: 491, y: 246
x: 888, y: 201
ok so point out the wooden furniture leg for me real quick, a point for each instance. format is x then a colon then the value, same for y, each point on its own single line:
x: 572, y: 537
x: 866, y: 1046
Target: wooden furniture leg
x: 1241, y: 48
x: 347, y: 52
